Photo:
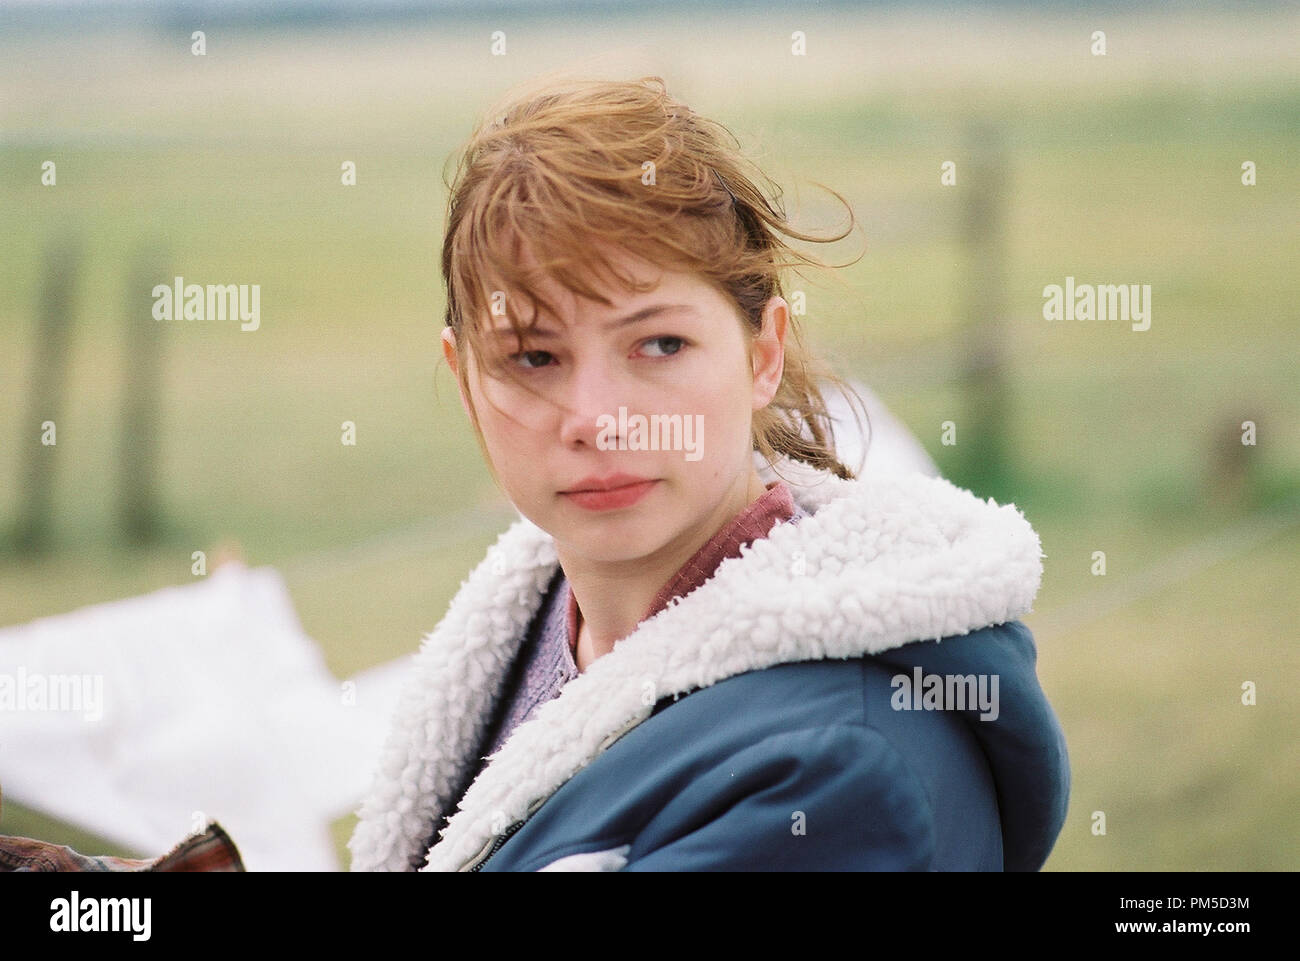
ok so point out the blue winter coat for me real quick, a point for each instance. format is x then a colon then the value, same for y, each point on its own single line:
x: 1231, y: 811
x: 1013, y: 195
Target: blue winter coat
x: 797, y: 712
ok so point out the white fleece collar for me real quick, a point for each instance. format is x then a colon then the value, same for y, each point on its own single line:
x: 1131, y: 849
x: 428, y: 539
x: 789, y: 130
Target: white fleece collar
x: 882, y: 561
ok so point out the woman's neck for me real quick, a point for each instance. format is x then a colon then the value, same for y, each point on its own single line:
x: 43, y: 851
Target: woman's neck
x: 613, y: 599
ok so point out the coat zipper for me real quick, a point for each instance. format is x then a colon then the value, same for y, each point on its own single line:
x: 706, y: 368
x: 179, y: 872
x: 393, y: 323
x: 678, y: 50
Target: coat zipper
x: 496, y: 846
x: 476, y: 863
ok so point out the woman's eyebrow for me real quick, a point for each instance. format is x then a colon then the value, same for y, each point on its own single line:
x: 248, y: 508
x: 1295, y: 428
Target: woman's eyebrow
x: 645, y: 313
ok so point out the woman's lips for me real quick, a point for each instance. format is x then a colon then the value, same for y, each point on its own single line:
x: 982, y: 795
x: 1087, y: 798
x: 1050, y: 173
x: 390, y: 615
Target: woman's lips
x: 611, y: 499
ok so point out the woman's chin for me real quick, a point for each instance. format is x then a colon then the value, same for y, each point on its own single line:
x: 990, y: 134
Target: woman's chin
x: 604, y: 543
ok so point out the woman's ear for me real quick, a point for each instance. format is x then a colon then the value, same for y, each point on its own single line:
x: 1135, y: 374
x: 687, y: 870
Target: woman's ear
x: 453, y: 361
x: 769, y: 352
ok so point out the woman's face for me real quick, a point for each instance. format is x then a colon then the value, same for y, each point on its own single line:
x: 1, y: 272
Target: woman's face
x: 651, y: 398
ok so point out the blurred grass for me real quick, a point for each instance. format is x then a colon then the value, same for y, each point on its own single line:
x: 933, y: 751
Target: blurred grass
x: 1116, y: 176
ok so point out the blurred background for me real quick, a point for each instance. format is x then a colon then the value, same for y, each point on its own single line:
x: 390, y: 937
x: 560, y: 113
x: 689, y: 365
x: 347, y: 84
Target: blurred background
x: 1132, y: 166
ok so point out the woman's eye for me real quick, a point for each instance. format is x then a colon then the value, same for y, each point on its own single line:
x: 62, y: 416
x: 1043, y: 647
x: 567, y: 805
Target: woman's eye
x: 674, y: 344
x: 531, y: 359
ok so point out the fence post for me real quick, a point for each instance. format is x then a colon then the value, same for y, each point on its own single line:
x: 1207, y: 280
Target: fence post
x: 138, y: 505
x: 49, y: 369
x: 983, y: 461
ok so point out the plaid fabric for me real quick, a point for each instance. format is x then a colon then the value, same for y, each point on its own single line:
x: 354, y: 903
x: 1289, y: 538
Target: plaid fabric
x: 210, y: 851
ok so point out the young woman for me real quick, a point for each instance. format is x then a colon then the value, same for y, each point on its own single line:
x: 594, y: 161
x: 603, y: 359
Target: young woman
x: 706, y: 645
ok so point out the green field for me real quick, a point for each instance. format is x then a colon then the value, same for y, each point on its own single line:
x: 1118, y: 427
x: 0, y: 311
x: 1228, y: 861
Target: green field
x: 1124, y: 169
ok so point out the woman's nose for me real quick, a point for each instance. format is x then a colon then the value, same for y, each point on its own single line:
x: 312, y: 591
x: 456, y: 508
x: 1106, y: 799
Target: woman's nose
x: 593, y: 395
